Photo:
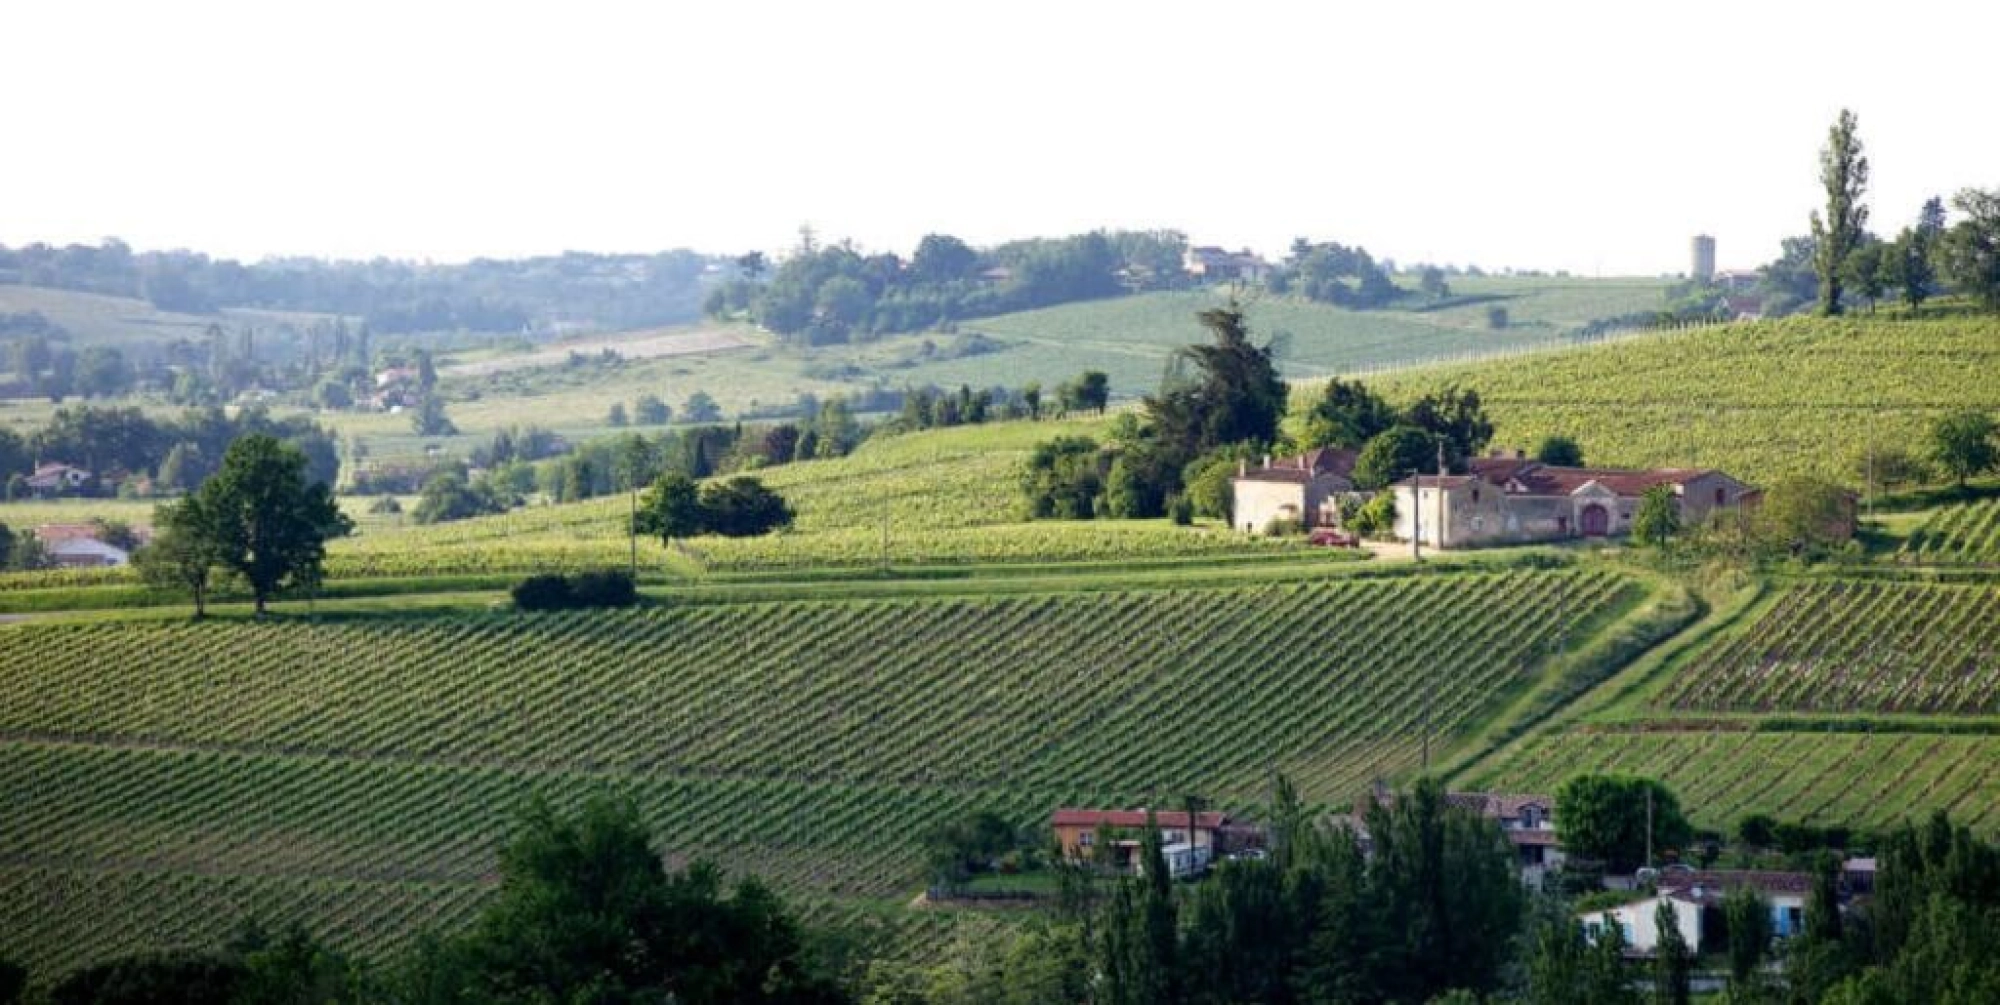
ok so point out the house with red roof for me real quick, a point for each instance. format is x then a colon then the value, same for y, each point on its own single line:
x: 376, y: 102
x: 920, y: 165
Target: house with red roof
x: 1189, y: 842
x: 1510, y: 499
x: 1304, y: 489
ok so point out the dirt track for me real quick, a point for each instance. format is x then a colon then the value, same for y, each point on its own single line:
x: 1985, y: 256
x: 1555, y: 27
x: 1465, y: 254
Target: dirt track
x: 640, y: 346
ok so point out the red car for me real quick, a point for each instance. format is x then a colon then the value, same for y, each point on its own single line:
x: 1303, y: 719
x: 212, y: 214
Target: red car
x: 1333, y: 537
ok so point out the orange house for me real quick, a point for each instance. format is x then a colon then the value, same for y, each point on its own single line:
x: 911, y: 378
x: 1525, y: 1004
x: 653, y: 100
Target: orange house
x: 1077, y: 831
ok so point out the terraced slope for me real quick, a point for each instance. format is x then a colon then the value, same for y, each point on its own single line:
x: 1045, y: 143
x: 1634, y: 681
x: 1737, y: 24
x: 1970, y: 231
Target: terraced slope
x: 359, y: 773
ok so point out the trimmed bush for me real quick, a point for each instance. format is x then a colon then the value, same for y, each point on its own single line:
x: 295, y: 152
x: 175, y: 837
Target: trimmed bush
x: 552, y: 592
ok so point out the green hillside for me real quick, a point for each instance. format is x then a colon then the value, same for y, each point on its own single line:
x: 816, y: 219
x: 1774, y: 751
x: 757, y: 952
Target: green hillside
x: 358, y: 772
x: 1131, y: 337
x: 1797, y: 396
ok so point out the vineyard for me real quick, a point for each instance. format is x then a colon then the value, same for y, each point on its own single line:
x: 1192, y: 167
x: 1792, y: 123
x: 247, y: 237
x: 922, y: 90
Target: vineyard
x: 1846, y: 778
x: 1967, y: 534
x: 1839, y: 646
x: 360, y: 772
x: 1797, y: 396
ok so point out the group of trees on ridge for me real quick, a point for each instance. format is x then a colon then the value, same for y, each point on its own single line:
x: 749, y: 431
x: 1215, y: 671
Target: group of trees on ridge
x: 1840, y: 263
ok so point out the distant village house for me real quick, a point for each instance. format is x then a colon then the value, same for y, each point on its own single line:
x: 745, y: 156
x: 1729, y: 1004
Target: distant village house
x: 78, y: 546
x: 1696, y: 898
x: 1210, y: 264
x: 1189, y: 846
x: 57, y: 479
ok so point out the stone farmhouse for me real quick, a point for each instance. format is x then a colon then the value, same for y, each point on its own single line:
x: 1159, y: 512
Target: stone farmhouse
x: 1305, y: 488
x: 1512, y: 500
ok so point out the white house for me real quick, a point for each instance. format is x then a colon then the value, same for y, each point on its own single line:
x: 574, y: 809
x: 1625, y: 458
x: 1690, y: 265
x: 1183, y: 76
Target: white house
x: 1697, y: 899
x: 1304, y: 489
x: 77, y: 546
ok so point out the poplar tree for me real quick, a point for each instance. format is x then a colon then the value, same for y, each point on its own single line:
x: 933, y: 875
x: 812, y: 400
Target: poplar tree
x: 1843, y: 172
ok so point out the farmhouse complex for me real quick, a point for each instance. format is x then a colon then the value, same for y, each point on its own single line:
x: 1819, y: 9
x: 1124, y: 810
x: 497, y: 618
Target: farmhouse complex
x: 1504, y: 500
x: 1500, y: 499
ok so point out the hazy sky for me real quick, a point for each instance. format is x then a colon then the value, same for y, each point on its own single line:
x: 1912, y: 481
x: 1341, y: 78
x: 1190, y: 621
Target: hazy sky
x: 1592, y: 136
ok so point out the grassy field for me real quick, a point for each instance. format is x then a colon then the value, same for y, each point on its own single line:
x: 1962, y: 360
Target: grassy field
x: 96, y: 319
x: 1131, y: 337
x: 358, y: 771
x: 1798, y: 396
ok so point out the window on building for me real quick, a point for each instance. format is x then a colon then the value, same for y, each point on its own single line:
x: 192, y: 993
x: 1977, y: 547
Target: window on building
x: 1475, y: 493
x: 1086, y: 839
x: 1478, y: 523
x: 1718, y: 497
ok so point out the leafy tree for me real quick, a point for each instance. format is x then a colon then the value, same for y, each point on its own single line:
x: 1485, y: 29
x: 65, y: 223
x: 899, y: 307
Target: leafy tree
x: 183, y: 554
x: 1393, y: 456
x: 701, y: 408
x: 649, y: 410
x: 1445, y: 883
x: 956, y: 850
x: 1564, y: 969
x: 1673, y: 959
x: 13, y: 981
x: 428, y: 418
x: 1746, y: 915
x: 1090, y: 391
x: 1843, y: 173
x: 742, y: 507
x: 1801, y: 515
x: 1431, y: 282
x: 1455, y: 416
x: 1560, y: 452
x: 1603, y: 817
x: 1235, y: 395
x: 1969, y: 253
x: 427, y: 375
x: 1139, y: 960
x: 1208, y: 479
x: 447, y: 496
x: 265, y: 522
x: 941, y: 258
x: 586, y: 911
x: 1963, y: 444
x: 1347, y: 415
x: 1064, y: 478
x: 170, y: 978
x: 1658, y: 518
x: 616, y: 415
x: 1820, y: 958
x: 1862, y: 271
x: 332, y: 394
x: 671, y: 508
x: 1496, y: 317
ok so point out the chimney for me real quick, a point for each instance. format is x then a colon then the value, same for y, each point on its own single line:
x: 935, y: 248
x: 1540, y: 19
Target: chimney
x: 1242, y: 467
x: 1519, y: 454
x: 1303, y: 466
x: 1267, y: 460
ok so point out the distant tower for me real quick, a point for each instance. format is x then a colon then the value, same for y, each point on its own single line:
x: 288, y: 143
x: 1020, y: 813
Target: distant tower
x: 1703, y: 269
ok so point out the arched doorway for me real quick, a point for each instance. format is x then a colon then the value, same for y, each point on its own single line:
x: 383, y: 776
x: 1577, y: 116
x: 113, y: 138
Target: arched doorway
x: 1596, y: 521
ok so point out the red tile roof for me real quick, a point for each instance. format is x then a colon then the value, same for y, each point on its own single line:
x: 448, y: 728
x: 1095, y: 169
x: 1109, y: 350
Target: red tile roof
x: 1532, y: 478
x: 1069, y: 817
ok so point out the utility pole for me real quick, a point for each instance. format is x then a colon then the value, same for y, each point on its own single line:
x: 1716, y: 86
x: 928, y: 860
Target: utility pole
x: 1649, y: 826
x: 632, y: 526
x: 1440, y: 491
x: 885, y: 534
x: 1416, y: 516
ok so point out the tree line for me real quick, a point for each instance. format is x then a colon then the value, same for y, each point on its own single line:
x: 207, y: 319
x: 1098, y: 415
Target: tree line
x: 121, y: 446
x: 485, y: 295
x: 835, y: 293
x: 1840, y: 263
